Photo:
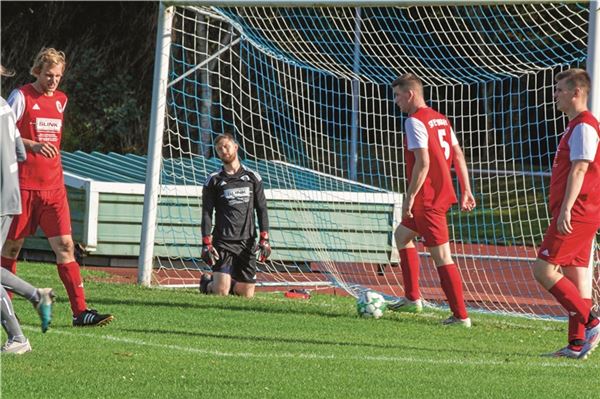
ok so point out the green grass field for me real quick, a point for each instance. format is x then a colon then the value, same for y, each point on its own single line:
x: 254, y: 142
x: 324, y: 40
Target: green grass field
x: 179, y: 344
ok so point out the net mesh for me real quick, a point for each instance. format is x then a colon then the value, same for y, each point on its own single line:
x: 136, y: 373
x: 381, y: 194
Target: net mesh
x: 306, y: 92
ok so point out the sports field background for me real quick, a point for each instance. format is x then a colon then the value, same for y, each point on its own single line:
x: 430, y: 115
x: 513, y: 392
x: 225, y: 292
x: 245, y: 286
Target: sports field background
x: 179, y: 344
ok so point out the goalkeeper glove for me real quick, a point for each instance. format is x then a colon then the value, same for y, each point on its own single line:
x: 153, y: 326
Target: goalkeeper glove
x: 209, y: 253
x: 263, y: 247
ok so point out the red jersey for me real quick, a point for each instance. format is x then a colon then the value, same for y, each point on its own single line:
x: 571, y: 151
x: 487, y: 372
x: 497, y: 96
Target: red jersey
x: 41, y: 121
x: 587, y: 205
x: 429, y: 129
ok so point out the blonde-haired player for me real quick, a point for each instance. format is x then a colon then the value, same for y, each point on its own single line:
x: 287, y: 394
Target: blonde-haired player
x: 39, y: 108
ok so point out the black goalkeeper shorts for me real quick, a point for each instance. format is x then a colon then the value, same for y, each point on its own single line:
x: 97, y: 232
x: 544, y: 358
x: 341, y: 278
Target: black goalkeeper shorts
x: 237, y: 260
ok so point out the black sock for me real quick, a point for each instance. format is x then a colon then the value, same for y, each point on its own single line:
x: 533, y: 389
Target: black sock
x: 204, y: 284
x: 577, y: 344
x: 232, y: 286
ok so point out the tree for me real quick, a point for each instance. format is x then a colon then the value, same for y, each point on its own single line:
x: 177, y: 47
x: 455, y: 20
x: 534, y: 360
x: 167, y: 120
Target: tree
x: 110, y: 58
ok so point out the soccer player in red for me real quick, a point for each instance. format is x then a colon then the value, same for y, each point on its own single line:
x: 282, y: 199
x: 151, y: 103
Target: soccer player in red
x: 39, y: 108
x: 575, y: 208
x: 430, y: 149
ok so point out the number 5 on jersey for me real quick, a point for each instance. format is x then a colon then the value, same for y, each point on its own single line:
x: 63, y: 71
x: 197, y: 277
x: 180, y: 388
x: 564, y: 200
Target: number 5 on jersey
x: 444, y: 143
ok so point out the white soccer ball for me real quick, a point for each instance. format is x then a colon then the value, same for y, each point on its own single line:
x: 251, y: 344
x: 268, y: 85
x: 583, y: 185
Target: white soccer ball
x: 370, y: 304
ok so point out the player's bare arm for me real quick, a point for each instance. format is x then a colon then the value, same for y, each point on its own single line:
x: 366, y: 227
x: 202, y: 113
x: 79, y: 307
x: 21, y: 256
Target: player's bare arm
x: 417, y: 179
x: 574, y: 183
x: 467, y: 200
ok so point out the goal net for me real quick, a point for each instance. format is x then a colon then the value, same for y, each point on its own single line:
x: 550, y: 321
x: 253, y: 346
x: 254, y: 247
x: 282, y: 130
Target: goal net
x: 307, y: 94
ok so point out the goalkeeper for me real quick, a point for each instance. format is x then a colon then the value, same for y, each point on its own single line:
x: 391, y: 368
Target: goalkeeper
x: 233, y: 193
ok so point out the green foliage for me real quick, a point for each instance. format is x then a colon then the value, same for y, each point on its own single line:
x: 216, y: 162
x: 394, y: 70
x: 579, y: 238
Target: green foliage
x: 108, y: 118
x: 110, y: 57
x: 179, y: 344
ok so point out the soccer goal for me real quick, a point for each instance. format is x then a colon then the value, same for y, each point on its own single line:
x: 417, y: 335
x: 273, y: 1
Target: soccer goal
x: 304, y: 87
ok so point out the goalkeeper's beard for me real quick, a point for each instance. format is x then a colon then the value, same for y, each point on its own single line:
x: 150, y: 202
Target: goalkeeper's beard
x: 228, y: 159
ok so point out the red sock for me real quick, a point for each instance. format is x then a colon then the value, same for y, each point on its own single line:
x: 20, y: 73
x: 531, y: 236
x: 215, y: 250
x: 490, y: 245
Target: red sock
x: 71, y: 278
x: 567, y: 294
x: 409, y: 262
x: 576, y: 328
x: 452, y: 286
x: 10, y: 265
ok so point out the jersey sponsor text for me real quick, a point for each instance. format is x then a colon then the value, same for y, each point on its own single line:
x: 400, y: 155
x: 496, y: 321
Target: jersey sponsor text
x: 437, y: 122
x: 48, y: 125
x: 239, y: 195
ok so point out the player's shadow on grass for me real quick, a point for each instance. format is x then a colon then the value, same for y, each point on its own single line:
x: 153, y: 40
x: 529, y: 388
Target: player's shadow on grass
x: 300, y: 341
x: 249, y: 306
x: 283, y: 308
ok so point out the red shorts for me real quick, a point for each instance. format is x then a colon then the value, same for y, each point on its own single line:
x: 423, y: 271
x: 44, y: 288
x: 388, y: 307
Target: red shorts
x: 48, y: 209
x: 572, y: 249
x: 430, y: 224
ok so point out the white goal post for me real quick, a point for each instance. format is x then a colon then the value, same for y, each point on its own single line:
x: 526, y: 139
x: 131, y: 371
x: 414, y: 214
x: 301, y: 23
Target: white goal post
x: 304, y: 86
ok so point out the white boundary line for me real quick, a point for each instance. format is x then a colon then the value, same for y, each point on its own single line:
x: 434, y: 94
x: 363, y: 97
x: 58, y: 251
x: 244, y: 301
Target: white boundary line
x: 318, y: 356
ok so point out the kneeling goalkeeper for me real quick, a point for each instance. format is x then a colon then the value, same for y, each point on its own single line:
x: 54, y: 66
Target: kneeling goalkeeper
x: 233, y: 193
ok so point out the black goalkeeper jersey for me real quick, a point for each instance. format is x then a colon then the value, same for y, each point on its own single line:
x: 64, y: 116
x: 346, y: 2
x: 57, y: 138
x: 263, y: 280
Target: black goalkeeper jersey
x: 234, y: 198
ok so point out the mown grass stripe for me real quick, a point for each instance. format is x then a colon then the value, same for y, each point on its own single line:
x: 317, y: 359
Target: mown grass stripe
x: 310, y: 356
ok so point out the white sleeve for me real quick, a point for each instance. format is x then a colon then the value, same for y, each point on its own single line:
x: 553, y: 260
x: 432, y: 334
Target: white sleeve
x: 16, y: 100
x: 583, y: 143
x: 416, y: 134
x: 454, y: 140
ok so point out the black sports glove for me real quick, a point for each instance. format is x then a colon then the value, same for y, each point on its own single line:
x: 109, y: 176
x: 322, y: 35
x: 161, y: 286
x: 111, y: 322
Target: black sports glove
x: 263, y: 247
x: 209, y: 253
